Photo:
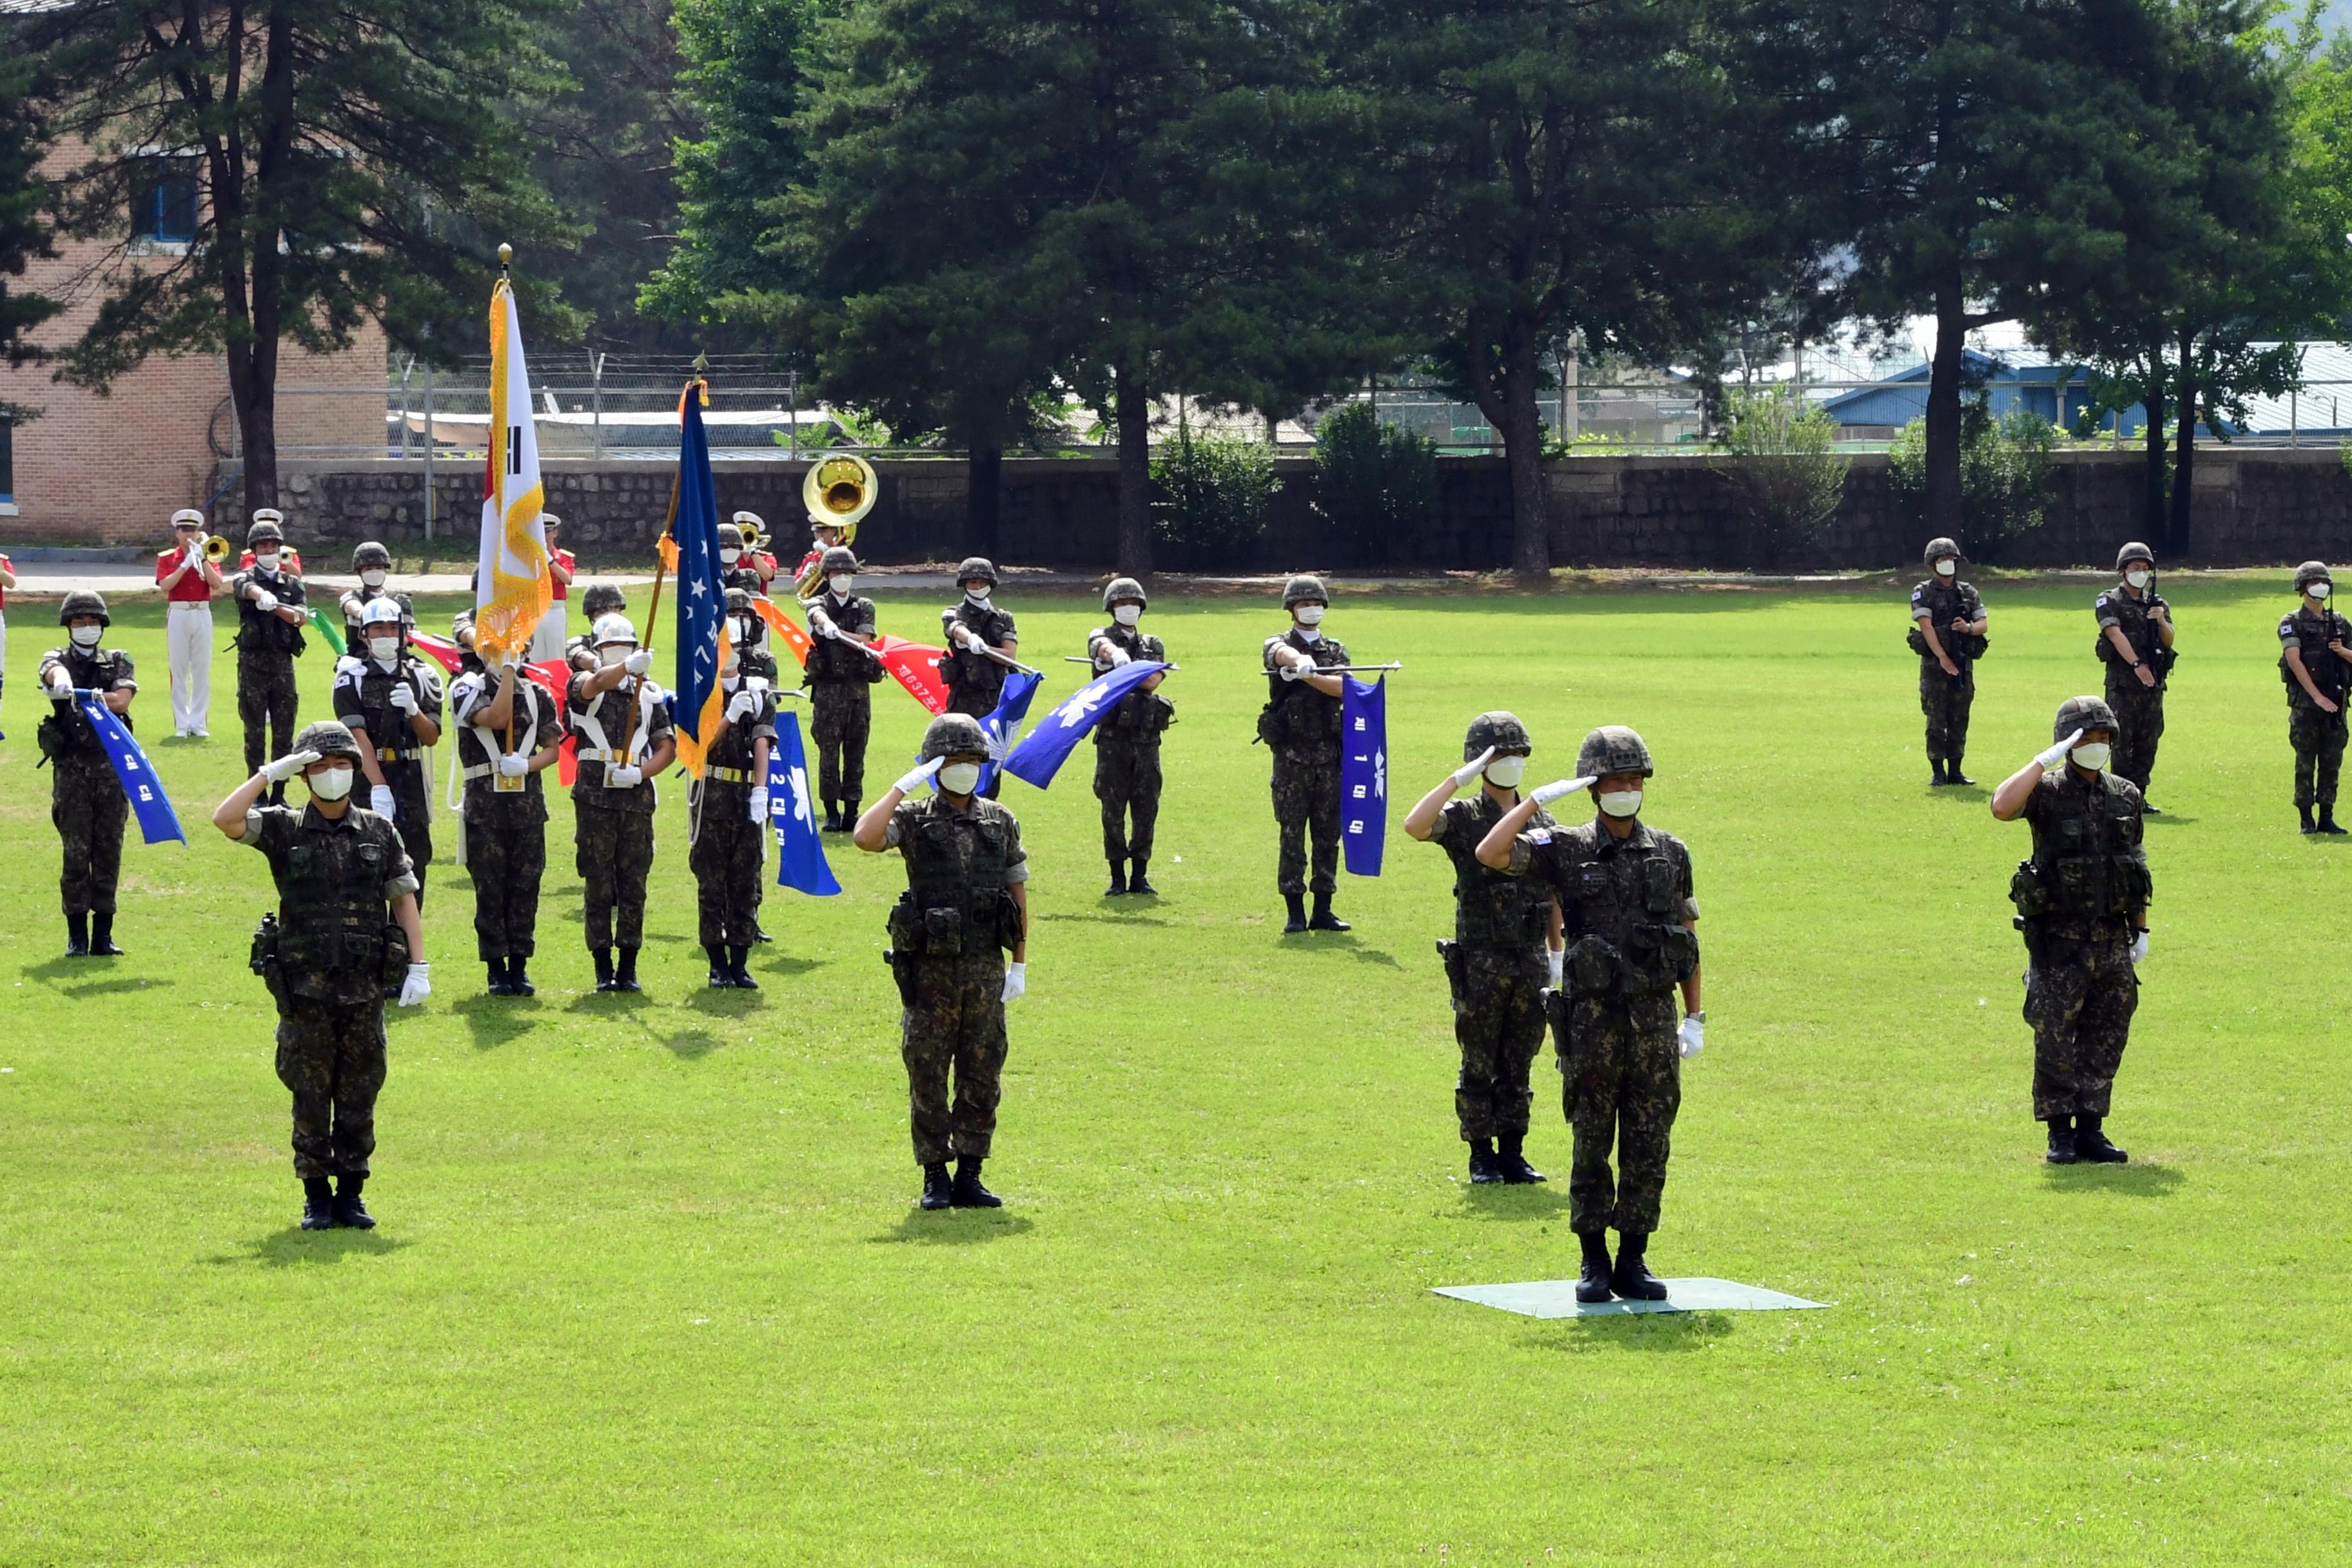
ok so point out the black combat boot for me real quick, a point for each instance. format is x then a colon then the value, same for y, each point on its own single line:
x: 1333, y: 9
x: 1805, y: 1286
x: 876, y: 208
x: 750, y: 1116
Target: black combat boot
x: 1118, y: 889
x: 1137, y: 882
x: 2149, y: 808
x: 318, y: 1203
x: 1631, y: 1277
x: 1935, y: 766
x: 721, y: 977
x: 348, y: 1210
x: 1952, y: 774
x: 2327, y: 825
x: 625, y: 977
x: 78, y: 935
x: 1323, y: 919
x: 938, y: 1192
x: 1297, y: 903
x: 737, y: 975
x: 832, y: 817
x: 849, y: 814
x: 1483, y: 1172
x: 2091, y: 1143
x: 969, y: 1192
x: 518, y: 981
x: 2061, y: 1141
x: 2308, y: 825
x: 101, y: 932
x: 604, y: 957
x: 498, y: 968
x: 758, y: 933
x: 1593, y: 1280
x: 1512, y: 1162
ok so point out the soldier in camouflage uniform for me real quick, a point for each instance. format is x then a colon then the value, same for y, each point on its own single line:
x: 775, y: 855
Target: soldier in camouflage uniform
x: 2136, y: 644
x: 967, y: 903
x: 391, y: 703
x: 2081, y: 903
x: 1629, y: 918
x: 1495, y: 966
x: 603, y: 599
x: 625, y: 742
x: 748, y: 634
x: 1127, y: 741
x: 372, y: 563
x: 269, y: 616
x: 2315, y: 662
x: 346, y: 923
x: 508, y: 734
x: 1948, y: 633
x: 840, y: 679
x: 1300, y: 724
x: 727, y: 810
x: 87, y: 804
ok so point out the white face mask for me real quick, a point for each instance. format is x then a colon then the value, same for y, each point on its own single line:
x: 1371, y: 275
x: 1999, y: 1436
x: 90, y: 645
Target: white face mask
x: 1307, y: 614
x: 844, y: 584
x: 372, y: 577
x: 1127, y: 615
x: 385, y: 649
x: 979, y: 596
x: 612, y: 654
x: 86, y: 637
x: 2091, y: 756
x: 2136, y: 579
x: 1620, y: 803
x: 333, y: 783
x: 957, y: 778
x: 265, y: 560
x: 1947, y: 568
x: 1505, y: 772
x: 2320, y: 590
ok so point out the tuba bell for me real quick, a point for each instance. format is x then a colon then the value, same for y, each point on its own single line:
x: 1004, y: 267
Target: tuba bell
x: 840, y: 488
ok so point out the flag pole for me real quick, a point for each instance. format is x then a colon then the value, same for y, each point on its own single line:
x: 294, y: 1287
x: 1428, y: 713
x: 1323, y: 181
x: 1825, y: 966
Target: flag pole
x: 661, y: 562
x: 505, y: 677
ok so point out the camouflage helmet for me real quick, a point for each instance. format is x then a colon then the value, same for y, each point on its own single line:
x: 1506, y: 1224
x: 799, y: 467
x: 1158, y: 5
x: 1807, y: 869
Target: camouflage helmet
x: 1301, y: 589
x: 1499, y: 729
x: 602, y: 600
x: 84, y: 602
x: 265, y: 529
x: 2312, y: 572
x: 979, y: 567
x: 329, y: 738
x: 954, y: 735
x: 370, y: 554
x: 2081, y: 713
x: 1613, y: 749
x: 730, y: 538
x: 738, y: 601
x: 1125, y: 588
x: 1939, y: 548
x: 838, y: 558
x: 2134, y: 551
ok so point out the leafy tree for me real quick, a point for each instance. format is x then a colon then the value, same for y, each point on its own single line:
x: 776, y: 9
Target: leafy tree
x: 350, y: 161
x: 2005, y: 469
x: 1212, y: 494
x: 22, y: 235
x: 1782, y: 465
x: 1374, y: 482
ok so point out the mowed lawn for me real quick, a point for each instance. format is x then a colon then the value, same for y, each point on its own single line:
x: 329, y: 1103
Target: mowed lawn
x: 649, y: 1285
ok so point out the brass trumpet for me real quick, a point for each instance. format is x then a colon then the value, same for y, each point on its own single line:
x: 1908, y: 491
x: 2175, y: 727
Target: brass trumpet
x: 216, y: 549
x: 752, y: 537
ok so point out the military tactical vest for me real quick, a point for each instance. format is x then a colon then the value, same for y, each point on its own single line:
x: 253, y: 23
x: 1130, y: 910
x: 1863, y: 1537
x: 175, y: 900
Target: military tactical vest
x: 974, y: 680
x: 830, y: 661
x: 1622, y: 911
x: 259, y: 632
x: 956, y: 901
x: 2087, y: 862
x: 331, y: 909
x: 1140, y: 716
x: 1296, y: 715
x: 395, y: 737
x: 1493, y: 909
x: 2329, y: 673
x: 65, y: 735
x: 1944, y: 602
x: 2132, y: 619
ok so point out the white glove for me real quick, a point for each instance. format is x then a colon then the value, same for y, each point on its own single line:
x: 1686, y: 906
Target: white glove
x: 2057, y: 754
x: 759, y: 804
x: 403, y: 698
x: 1693, y: 1034
x: 744, y: 704
x: 822, y: 625
x: 1557, y: 962
x: 196, y: 556
x: 1117, y: 655
x: 1544, y: 795
x: 1467, y: 773
x: 1016, y: 980
x: 919, y: 777
x: 60, y: 683
x: 2139, y: 948
x: 417, y: 986
x: 264, y: 600
x: 961, y: 635
x: 625, y: 778
x: 638, y: 662
x: 513, y: 765
x: 287, y: 766
x: 380, y: 801
x: 1294, y: 670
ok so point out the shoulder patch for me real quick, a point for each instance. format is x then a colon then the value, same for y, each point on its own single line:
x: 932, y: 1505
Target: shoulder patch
x: 1540, y: 836
x: 2286, y: 628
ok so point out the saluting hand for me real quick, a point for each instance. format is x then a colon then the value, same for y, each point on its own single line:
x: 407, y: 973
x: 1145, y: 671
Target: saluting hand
x: 287, y: 766
x: 1467, y: 773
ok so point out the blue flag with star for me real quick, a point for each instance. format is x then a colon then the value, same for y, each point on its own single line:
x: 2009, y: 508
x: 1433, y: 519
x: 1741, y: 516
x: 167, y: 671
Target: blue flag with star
x: 800, y: 852
x: 1041, y: 755
x: 157, y: 821
x: 1363, y: 772
x: 1012, y: 707
x: 701, y: 585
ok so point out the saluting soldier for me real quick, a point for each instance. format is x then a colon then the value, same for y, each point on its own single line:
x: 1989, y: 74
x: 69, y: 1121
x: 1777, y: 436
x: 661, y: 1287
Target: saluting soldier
x: 1127, y: 741
x: 372, y: 561
x: 346, y: 925
x: 2136, y: 644
x: 391, y: 702
x: 727, y: 811
x: 1948, y: 633
x: 966, y: 905
x: 269, y: 616
x: 1497, y: 964
x: 1300, y: 724
x: 508, y: 736
x: 2315, y: 662
x: 1629, y: 918
x: 840, y: 680
x: 626, y: 740
x: 87, y: 804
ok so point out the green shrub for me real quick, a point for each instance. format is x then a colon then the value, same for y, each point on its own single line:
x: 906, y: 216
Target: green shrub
x: 1210, y: 495
x: 2005, y: 468
x: 1374, y: 483
x: 1782, y: 467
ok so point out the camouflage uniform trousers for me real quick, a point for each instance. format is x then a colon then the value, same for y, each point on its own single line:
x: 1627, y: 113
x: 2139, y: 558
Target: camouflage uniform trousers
x: 957, y: 1021
x: 1621, y: 1070
x: 412, y: 799
x: 1946, y: 703
x: 842, y: 722
x: 264, y: 702
x: 506, y: 853
x: 331, y: 1054
x: 614, y: 855
x: 1127, y: 782
x: 726, y: 859
x: 2139, y: 725
x: 1498, y: 1022
x: 2318, y: 742
x: 1306, y: 795
x: 88, y: 808
x: 2079, y: 997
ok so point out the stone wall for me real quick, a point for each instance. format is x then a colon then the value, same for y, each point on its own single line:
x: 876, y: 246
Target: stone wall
x: 2252, y: 508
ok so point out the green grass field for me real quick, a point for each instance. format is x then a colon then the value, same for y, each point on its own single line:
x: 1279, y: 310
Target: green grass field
x: 649, y: 1285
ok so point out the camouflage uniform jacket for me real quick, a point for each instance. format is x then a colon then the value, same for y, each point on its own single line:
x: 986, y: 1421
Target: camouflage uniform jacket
x: 1622, y: 904
x: 337, y: 879
x: 95, y: 670
x: 1493, y: 910
x: 1140, y: 716
x: 2092, y: 871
